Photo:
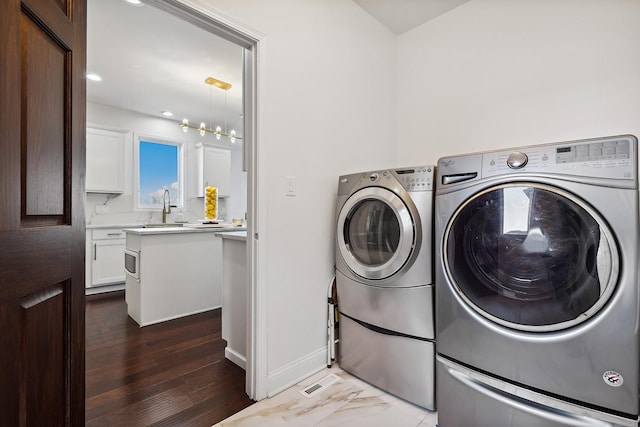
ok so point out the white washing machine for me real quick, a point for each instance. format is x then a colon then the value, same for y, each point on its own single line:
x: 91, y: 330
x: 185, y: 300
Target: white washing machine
x: 384, y: 279
x: 537, y: 294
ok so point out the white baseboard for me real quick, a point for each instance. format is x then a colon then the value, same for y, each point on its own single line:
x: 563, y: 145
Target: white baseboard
x: 104, y: 289
x: 282, y: 378
x: 177, y: 316
x: 235, y: 357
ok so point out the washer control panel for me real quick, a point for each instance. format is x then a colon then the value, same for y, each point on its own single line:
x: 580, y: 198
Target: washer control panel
x: 601, y: 158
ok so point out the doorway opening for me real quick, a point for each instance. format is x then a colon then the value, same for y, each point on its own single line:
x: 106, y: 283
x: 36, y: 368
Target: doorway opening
x: 211, y: 22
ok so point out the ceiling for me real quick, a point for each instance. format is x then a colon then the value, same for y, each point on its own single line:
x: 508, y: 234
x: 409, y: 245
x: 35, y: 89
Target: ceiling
x: 151, y: 61
x: 401, y: 16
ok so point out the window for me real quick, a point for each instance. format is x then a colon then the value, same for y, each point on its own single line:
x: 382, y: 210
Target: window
x: 159, y: 168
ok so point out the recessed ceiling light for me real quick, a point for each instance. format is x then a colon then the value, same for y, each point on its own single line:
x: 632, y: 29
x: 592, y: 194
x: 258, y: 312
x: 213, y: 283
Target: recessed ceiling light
x: 94, y: 77
x: 167, y: 113
x: 135, y: 2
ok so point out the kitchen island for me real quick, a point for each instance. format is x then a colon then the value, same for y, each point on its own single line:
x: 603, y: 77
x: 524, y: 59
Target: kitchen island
x: 173, y: 271
x: 234, y: 296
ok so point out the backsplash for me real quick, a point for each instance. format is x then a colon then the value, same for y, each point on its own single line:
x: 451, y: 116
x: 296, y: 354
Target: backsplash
x: 117, y: 209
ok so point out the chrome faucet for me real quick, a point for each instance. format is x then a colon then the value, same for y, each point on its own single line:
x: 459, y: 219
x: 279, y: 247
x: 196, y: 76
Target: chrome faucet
x: 166, y: 205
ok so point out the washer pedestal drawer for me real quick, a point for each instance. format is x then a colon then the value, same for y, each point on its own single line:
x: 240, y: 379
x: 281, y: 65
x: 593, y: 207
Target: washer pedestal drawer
x: 399, y: 365
x: 470, y: 398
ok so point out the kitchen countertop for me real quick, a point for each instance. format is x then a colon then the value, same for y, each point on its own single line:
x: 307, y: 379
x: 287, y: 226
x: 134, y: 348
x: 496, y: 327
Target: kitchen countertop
x: 223, y: 228
x: 102, y: 226
x: 234, y: 235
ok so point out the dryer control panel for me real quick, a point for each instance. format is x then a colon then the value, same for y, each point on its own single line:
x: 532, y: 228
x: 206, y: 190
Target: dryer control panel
x: 418, y: 178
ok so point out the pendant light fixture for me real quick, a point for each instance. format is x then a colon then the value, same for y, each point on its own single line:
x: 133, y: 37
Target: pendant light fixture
x: 203, y: 128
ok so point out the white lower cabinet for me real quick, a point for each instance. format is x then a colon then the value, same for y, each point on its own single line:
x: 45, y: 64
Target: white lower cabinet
x: 105, y: 263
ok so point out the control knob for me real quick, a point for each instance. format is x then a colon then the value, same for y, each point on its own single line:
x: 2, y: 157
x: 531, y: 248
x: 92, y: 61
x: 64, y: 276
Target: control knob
x: 517, y: 160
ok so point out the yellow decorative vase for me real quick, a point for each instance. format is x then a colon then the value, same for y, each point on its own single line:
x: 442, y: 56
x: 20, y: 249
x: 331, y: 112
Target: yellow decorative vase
x: 210, y: 203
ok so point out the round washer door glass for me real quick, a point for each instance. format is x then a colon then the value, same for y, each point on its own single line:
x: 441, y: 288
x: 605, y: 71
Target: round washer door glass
x: 375, y: 233
x: 531, y: 257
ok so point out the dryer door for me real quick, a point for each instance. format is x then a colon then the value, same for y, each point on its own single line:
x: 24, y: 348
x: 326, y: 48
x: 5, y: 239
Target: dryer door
x: 376, y: 233
x: 531, y: 257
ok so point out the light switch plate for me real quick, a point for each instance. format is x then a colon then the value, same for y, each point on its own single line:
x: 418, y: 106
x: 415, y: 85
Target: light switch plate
x: 291, y: 186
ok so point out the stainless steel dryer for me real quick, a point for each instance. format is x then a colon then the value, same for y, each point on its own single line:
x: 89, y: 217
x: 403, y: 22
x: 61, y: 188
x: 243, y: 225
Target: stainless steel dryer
x: 384, y: 278
x: 537, y: 296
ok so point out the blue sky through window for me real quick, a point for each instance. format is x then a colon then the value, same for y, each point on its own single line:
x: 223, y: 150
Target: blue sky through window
x: 158, y: 170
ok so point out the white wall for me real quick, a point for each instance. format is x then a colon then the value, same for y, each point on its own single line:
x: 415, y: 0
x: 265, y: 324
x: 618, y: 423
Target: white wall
x: 489, y: 74
x: 500, y: 73
x: 121, y: 207
x: 327, y: 102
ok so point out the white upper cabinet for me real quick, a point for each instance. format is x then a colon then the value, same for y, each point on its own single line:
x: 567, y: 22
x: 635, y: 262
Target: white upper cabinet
x: 214, y: 169
x: 105, y: 161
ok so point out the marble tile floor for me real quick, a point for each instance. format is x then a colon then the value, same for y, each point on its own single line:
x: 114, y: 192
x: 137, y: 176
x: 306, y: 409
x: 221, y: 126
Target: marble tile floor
x: 349, y: 402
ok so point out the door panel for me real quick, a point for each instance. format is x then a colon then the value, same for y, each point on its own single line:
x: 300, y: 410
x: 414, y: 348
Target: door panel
x: 43, y: 354
x: 45, y: 95
x: 42, y: 161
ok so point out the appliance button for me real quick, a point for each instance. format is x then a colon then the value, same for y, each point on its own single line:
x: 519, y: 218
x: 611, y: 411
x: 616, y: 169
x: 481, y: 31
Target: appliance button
x: 517, y: 160
x: 373, y: 177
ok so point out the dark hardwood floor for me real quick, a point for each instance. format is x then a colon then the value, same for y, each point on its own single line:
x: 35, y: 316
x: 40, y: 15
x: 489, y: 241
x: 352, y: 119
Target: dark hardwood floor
x: 170, y: 374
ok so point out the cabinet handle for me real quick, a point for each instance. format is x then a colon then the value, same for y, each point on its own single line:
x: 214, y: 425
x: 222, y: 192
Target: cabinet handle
x: 95, y: 251
x: 114, y: 234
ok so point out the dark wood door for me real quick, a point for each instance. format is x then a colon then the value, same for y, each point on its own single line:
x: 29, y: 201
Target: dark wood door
x: 42, y: 126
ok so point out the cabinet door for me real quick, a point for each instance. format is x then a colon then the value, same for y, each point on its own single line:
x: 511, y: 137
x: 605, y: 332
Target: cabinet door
x: 105, y: 161
x: 107, y: 264
x: 216, y: 170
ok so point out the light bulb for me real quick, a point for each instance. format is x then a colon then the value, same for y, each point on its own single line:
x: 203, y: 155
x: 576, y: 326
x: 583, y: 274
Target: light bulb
x: 218, y: 132
x: 232, y: 136
x: 202, y: 129
x: 185, y: 125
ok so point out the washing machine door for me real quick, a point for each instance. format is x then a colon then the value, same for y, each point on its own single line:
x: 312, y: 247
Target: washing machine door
x: 376, y: 233
x: 530, y: 257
